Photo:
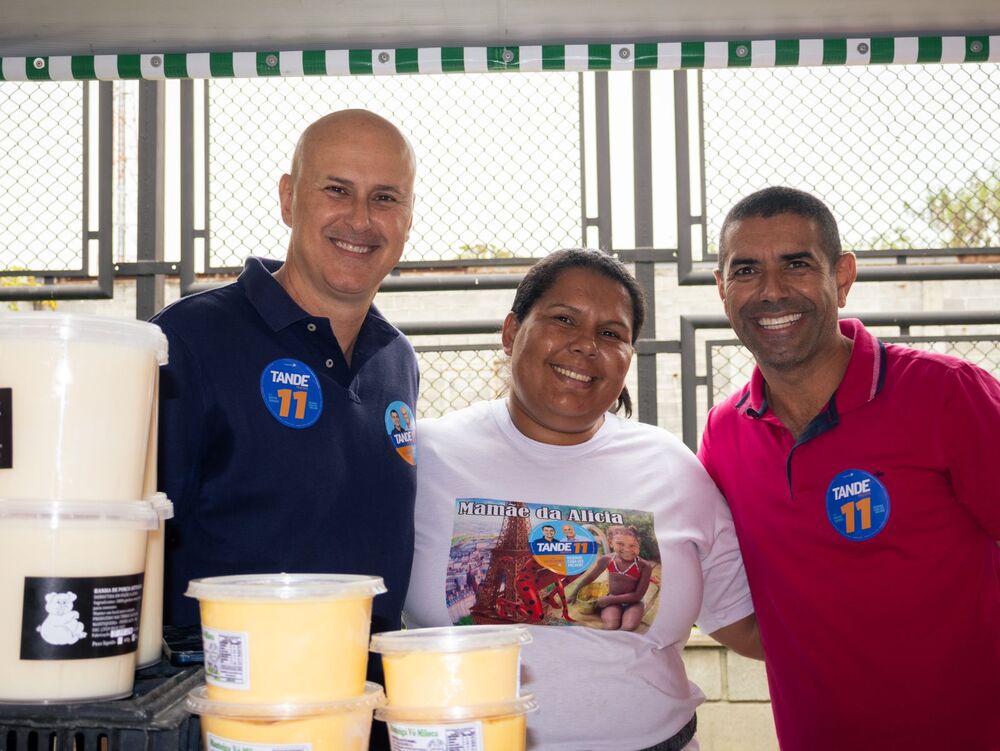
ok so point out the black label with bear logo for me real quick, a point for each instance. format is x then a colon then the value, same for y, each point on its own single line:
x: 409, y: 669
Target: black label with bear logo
x: 78, y: 618
x: 6, y: 429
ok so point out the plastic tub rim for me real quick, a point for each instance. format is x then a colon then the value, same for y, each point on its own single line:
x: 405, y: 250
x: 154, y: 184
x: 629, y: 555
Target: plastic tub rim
x: 123, y: 332
x: 431, y: 715
x: 57, y: 513
x: 450, y: 639
x: 198, y: 702
x: 163, y: 506
x: 283, y: 586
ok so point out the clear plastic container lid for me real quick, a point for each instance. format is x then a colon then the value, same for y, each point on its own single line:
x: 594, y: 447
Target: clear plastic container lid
x: 286, y: 587
x: 66, y: 514
x: 449, y: 639
x: 199, y: 703
x: 163, y: 506
x: 77, y: 327
x: 427, y: 715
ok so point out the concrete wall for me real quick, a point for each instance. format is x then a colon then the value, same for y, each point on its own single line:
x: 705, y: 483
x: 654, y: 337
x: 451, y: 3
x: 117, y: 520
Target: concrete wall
x: 736, y: 715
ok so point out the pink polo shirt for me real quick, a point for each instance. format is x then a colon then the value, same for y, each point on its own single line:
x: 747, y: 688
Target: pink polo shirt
x: 870, y: 547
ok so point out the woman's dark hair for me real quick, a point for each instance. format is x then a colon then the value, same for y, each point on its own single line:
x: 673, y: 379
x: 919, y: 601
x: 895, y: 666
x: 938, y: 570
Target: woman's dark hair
x: 544, y: 274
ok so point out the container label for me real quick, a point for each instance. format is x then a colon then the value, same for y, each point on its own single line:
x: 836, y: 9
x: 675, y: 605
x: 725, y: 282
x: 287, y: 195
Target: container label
x: 466, y: 736
x: 6, y: 429
x: 227, y: 661
x: 215, y: 742
x: 80, y: 618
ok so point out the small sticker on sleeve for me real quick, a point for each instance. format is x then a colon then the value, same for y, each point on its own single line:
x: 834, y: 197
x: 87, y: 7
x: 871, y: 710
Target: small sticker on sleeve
x: 401, y: 428
x: 78, y: 618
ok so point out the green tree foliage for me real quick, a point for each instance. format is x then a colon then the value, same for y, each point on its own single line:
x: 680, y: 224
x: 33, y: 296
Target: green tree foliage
x: 968, y: 217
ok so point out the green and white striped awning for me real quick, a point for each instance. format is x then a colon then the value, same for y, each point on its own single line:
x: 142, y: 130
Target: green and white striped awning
x: 527, y: 58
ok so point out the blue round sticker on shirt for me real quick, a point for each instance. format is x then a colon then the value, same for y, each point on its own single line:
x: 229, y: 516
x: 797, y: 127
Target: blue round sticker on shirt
x: 291, y: 393
x: 857, y: 504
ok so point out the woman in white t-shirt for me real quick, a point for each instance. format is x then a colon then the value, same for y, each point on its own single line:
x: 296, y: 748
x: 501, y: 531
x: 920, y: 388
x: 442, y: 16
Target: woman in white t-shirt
x: 554, y: 454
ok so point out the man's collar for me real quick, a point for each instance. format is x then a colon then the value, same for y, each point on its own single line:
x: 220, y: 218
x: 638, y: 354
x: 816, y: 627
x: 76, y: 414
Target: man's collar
x: 861, y: 382
x: 266, y: 294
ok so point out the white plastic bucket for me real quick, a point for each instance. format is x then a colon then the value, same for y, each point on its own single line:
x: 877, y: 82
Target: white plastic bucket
x: 294, y: 638
x: 151, y: 623
x: 70, y: 597
x: 342, y: 725
x: 76, y: 399
x: 453, y: 665
x: 500, y: 726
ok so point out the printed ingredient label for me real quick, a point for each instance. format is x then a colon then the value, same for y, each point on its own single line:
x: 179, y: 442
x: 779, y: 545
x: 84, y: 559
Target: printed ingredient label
x: 79, y: 618
x: 218, y: 743
x: 467, y: 736
x: 227, y: 661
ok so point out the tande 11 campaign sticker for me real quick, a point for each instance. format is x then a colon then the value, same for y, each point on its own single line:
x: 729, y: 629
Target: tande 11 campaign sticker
x: 401, y: 429
x: 291, y: 393
x: 857, y: 504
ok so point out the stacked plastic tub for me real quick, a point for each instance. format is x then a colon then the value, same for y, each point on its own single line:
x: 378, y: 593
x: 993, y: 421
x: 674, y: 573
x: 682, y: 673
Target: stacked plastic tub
x: 454, y: 687
x: 77, y: 406
x: 285, y: 661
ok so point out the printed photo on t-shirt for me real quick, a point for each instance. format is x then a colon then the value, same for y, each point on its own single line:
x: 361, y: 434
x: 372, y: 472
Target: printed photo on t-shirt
x: 549, y: 564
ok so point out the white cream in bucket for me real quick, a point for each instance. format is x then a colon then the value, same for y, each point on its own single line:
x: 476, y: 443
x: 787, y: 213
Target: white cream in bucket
x: 151, y: 623
x: 296, y: 638
x: 70, y: 595
x: 453, y: 665
x: 76, y: 402
x: 499, y: 726
x: 342, y: 725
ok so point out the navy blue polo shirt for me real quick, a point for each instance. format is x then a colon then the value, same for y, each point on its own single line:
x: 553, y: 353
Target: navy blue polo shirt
x: 277, y: 455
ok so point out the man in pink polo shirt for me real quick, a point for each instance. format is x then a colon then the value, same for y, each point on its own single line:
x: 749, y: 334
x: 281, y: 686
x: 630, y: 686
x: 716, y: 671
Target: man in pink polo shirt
x: 862, y: 478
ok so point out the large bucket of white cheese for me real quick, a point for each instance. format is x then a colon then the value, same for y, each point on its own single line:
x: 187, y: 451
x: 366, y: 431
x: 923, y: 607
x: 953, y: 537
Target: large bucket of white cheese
x: 76, y: 402
x: 151, y: 623
x: 71, y: 579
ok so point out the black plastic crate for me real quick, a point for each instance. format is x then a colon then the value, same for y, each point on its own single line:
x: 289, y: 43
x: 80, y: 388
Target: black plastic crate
x: 154, y: 718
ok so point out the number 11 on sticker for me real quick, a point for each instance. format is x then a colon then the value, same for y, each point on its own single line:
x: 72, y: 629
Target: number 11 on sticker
x: 864, y: 507
x: 286, y: 396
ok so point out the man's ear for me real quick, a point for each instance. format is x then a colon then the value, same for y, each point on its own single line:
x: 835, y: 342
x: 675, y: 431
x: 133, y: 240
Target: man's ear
x: 509, y: 331
x: 846, y: 271
x: 285, y: 198
x: 718, y: 284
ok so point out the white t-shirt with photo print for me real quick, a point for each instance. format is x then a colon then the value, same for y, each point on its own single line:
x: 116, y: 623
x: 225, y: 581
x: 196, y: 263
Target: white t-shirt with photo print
x: 597, y: 689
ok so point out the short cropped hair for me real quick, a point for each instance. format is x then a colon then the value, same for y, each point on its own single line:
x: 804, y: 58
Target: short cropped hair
x: 783, y: 200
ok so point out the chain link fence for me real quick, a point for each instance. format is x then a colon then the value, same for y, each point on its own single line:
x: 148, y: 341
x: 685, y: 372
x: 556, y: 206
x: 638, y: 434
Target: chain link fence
x: 42, y: 177
x: 455, y: 376
x: 499, y: 160
x: 907, y: 157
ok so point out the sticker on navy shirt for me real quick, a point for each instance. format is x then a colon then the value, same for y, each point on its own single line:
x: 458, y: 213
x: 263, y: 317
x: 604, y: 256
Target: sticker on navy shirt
x: 857, y: 504
x: 291, y: 393
x: 548, y: 564
x: 402, y: 430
